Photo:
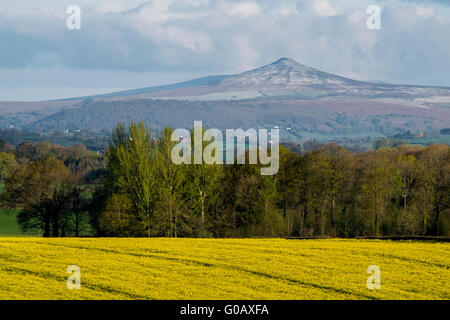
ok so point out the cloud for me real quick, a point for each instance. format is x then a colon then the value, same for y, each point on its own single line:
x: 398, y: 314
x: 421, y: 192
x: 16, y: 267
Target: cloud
x: 324, y: 8
x: 441, y: 2
x: 425, y: 12
x: 110, y: 7
x: 227, y: 36
x: 245, y: 9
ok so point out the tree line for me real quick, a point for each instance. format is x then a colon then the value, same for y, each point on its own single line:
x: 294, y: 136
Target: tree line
x: 135, y: 190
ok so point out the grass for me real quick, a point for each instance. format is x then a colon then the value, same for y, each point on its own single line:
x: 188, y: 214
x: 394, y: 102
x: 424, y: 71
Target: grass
x: 35, y: 268
x: 443, y: 139
x: 8, y: 222
x: 9, y: 226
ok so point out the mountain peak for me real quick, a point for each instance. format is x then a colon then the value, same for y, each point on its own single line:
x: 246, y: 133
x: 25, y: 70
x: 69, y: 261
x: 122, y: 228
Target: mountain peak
x: 288, y: 62
x: 285, y: 60
x: 284, y: 72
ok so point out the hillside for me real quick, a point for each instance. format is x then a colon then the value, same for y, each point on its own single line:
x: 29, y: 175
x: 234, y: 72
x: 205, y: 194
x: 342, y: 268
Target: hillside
x: 311, y: 103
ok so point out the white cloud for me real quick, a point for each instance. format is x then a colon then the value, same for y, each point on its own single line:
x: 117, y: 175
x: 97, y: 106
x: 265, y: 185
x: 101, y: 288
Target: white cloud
x: 324, y: 8
x: 196, y: 3
x: 110, y: 7
x: 247, y: 56
x: 245, y: 9
x: 287, y: 9
x: 425, y: 12
x: 226, y: 36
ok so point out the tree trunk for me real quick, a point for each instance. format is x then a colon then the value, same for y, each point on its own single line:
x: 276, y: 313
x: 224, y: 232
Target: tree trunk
x: 424, y: 224
x: 202, y: 203
x: 77, y: 224
x: 46, y: 225
x: 55, y: 224
x: 148, y: 223
x: 303, y: 221
x: 175, y: 226
x: 332, y: 212
x: 377, y: 225
x: 436, y: 221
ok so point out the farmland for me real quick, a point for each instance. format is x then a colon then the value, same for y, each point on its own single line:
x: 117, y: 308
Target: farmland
x: 35, y: 268
x: 8, y: 222
x: 9, y: 226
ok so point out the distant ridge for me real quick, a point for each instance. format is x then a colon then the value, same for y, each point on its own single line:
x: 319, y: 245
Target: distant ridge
x: 282, y: 77
x: 303, y: 101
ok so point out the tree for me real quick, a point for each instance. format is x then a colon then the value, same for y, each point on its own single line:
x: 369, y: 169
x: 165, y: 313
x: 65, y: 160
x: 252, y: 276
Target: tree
x: 203, y: 184
x: 132, y: 169
x: 286, y: 186
x: 42, y: 191
x: 170, y: 214
x: 8, y: 165
x: 272, y: 220
x: 203, y: 188
x: 437, y: 160
x: 382, y: 183
x: 118, y: 219
x: 243, y: 184
x: 317, y: 193
x: 407, y: 166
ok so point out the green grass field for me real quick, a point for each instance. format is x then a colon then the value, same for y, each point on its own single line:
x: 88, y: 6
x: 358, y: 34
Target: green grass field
x: 8, y: 223
x: 36, y: 268
x: 443, y: 139
x: 9, y: 226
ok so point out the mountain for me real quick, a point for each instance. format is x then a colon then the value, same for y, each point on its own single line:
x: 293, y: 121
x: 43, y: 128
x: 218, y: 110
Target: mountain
x: 303, y: 101
x: 284, y: 77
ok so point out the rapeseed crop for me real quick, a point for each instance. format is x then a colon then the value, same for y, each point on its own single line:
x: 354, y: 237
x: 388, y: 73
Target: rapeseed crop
x: 117, y: 268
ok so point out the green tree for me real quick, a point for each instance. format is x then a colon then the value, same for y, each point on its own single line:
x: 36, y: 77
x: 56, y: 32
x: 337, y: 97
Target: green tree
x: 437, y: 160
x: 8, y: 165
x: 171, y: 214
x: 132, y: 169
x: 42, y: 191
x: 118, y: 218
x: 203, y: 184
x: 382, y: 183
x: 286, y: 185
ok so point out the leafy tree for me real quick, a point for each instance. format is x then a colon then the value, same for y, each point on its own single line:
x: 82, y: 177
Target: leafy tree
x: 382, y: 183
x: 42, y: 191
x: 286, y: 185
x: 171, y: 216
x: 118, y: 219
x: 437, y: 160
x: 132, y: 169
x: 242, y: 202
x: 8, y: 165
x: 203, y: 185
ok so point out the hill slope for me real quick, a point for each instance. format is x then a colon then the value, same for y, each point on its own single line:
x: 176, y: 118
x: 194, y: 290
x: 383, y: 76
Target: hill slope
x: 285, y: 93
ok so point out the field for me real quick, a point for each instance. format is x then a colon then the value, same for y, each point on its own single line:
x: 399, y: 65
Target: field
x: 36, y: 268
x: 443, y: 139
x: 8, y: 223
x: 9, y: 226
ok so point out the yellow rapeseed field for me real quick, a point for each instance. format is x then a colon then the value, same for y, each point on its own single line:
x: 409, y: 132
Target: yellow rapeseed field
x: 36, y: 268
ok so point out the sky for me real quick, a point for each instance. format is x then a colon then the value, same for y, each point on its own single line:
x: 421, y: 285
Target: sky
x: 127, y: 44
